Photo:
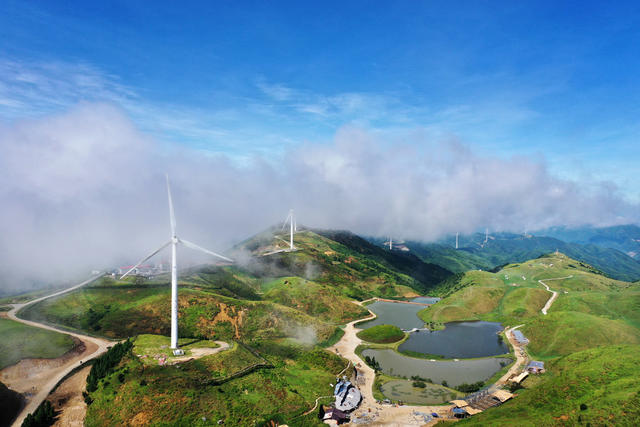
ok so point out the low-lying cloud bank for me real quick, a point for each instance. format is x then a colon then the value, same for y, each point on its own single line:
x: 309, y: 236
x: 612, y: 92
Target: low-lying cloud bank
x: 85, y: 190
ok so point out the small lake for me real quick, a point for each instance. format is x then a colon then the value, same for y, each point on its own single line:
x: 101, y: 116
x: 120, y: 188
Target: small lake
x: 455, y: 373
x: 402, y: 315
x: 404, y: 390
x: 459, y: 340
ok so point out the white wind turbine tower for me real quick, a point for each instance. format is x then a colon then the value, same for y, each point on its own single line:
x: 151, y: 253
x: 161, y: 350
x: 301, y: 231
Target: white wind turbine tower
x: 457, y: 234
x: 174, y: 267
x: 291, y: 219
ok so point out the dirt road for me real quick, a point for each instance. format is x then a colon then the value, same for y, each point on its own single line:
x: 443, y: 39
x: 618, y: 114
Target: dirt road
x: 521, y: 359
x: 554, y: 294
x: 42, y: 380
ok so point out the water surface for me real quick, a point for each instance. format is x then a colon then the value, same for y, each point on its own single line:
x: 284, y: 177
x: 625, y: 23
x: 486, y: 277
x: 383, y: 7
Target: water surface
x: 402, y: 315
x: 454, y: 373
x: 459, y: 340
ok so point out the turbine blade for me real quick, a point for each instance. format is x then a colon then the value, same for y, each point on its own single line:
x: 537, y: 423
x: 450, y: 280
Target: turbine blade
x: 172, y: 216
x: 285, y: 221
x: 146, y: 258
x: 206, y: 251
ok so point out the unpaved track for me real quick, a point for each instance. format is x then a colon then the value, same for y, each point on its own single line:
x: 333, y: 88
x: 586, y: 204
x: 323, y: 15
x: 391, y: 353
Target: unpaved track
x: 554, y: 294
x: 521, y: 359
x: 51, y: 376
x: 382, y: 415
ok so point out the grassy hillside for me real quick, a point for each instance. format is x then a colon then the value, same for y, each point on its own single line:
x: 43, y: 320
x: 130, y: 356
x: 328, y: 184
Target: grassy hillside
x: 381, y: 334
x: 316, y: 299
x: 564, y: 332
x: 347, y: 262
x: 155, y: 395
x: 119, y: 311
x: 591, y: 309
x: 592, y: 387
x: 20, y: 341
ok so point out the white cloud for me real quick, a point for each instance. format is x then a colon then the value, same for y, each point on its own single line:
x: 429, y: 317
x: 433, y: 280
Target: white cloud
x: 85, y: 189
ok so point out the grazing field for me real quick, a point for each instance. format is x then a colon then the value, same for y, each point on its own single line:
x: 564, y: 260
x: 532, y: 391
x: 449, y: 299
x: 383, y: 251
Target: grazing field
x: 592, y: 387
x: 20, y: 341
x: 562, y: 333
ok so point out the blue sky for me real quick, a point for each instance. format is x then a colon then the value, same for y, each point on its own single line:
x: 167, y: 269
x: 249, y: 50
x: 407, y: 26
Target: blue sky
x: 542, y: 79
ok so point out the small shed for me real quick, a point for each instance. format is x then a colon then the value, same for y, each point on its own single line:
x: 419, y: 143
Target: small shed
x: 519, y: 336
x: 520, y: 377
x: 502, y: 395
x: 459, y: 413
x: 460, y: 403
x: 472, y: 411
x: 535, y: 367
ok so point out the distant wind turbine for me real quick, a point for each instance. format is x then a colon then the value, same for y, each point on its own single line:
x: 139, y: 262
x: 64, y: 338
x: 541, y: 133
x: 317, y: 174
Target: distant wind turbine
x: 174, y: 267
x: 457, y: 234
x: 291, y: 219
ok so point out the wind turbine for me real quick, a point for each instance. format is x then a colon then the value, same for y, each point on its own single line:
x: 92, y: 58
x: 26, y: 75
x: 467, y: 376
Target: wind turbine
x: 291, y: 219
x: 174, y: 267
x: 457, y: 234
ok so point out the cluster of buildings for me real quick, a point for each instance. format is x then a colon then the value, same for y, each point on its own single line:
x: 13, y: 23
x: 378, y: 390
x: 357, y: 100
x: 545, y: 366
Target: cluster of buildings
x: 145, y: 270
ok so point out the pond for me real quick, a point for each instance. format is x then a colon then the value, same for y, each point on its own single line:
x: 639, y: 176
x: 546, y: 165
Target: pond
x: 459, y: 340
x: 402, y: 315
x: 404, y: 390
x: 455, y: 373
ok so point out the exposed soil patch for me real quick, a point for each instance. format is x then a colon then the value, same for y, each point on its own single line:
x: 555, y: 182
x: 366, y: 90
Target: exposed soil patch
x: 67, y: 400
x: 26, y: 376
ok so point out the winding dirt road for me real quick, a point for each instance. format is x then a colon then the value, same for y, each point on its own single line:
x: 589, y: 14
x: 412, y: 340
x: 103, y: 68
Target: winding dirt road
x: 48, y: 378
x: 521, y: 359
x: 554, y: 295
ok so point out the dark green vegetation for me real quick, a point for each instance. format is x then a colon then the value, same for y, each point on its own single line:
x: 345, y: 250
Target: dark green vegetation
x: 10, y: 404
x: 44, y: 416
x: 589, y: 340
x: 504, y: 248
x: 20, y: 341
x: 382, y: 334
x: 592, y: 387
x: 104, y: 364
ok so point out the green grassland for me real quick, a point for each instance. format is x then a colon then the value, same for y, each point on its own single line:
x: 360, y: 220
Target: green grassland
x: 146, y: 346
x: 382, y: 334
x: 561, y: 333
x: 21, y: 341
x: 592, y: 387
x: 183, y: 396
